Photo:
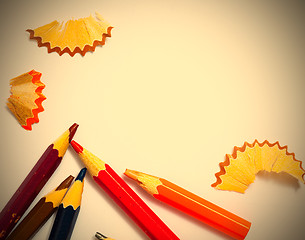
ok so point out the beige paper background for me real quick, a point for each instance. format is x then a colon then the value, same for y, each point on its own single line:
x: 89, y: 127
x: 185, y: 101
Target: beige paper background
x: 175, y: 88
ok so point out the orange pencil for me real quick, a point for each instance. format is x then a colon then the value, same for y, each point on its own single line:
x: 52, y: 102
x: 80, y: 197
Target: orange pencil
x: 192, y: 204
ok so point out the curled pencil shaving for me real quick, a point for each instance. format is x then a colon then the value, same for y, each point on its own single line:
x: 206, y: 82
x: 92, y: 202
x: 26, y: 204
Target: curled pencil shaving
x: 26, y: 98
x: 238, y: 170
x: 74, y: 36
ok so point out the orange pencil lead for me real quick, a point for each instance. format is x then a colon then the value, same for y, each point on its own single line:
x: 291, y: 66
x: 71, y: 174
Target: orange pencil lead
x: 132, y: 174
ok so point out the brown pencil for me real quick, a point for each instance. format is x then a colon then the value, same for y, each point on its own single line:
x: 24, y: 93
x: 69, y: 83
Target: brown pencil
x: 41, y: 212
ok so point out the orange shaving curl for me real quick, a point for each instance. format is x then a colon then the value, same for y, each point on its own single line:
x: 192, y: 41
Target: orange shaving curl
x: 26, y: 99
x: 74, y: 36
x: 86, y: 49
x: 238, y: 170
x: 38, y: 101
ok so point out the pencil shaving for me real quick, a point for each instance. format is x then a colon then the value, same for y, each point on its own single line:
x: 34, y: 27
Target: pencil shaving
x: 238, y: 170
x: 26, y: 98
x: 74, y: 36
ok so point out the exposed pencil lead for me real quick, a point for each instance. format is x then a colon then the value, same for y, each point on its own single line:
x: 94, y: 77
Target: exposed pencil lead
x: 66, y: 183
x: 72, y: 130
x: 81, y: 175
x: 132, y: 174
x: 78, y: 148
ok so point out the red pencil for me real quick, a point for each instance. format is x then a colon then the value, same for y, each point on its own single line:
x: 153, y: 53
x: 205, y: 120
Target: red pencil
x: 34, y: 182
x: 124, y: 196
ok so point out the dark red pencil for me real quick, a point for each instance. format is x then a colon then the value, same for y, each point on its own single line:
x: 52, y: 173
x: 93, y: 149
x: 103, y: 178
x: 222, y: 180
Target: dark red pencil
x: 34, y: 182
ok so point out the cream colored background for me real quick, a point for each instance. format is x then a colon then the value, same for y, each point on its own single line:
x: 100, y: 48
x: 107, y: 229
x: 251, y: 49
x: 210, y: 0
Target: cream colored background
x: 175, y: 88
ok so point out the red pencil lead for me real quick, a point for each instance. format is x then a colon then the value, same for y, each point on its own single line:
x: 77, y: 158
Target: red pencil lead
x: 77, y: 147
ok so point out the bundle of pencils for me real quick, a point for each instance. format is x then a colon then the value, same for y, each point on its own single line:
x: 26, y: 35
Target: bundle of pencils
x: 192, y: 204
x: 68, y: 210
x: 124, y: 196
x: 41, y: 212
x: 34, y: 182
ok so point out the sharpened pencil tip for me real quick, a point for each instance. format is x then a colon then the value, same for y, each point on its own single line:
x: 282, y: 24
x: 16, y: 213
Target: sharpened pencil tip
x: 72, y: 130
x: 132, y: 174
x: 66, y: 183
x: 81, y: 175
x: 78, y: 148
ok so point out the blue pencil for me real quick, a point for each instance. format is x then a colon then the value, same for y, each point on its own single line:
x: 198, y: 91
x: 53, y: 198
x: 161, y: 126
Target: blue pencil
x: 68, y: 210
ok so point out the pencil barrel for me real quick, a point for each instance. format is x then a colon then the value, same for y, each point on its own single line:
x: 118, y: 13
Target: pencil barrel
x: 40, y: 213
x: 64, y: 223
x: 28, y: 190
x: 203, y: 210
x: 27, y: 230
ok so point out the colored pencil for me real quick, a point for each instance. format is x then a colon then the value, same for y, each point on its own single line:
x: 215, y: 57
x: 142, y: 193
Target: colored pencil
x: 34, y: 182
x: 41, y: 212
x: 192, y: 204
x: 124, y: 196
x: 102, y: 237
x: 68, y: 210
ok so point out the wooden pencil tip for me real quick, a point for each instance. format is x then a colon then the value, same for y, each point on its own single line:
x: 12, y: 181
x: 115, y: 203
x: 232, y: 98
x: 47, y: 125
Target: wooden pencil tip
x: 72, y: 130
x: 77, y: 147
x: 132, y: 174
